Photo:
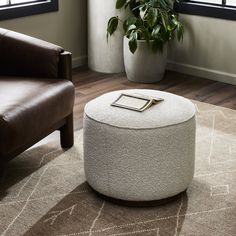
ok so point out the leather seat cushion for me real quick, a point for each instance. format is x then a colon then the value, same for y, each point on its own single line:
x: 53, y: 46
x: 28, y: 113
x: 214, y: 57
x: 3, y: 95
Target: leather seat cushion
x: 29, y: 107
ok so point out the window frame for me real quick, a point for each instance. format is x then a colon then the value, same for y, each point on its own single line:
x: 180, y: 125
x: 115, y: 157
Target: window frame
x: 28, y: 9
x: 206, y: 9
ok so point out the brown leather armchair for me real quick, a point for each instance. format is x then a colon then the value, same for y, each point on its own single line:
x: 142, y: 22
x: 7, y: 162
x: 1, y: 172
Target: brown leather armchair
x: 36, y: 93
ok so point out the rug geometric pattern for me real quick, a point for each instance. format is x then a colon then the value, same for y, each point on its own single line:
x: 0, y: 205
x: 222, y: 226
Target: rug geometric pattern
x: 44, y: 191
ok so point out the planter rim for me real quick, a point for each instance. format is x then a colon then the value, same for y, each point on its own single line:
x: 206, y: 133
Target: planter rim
x: 140, y: 40
x: 144, y: 41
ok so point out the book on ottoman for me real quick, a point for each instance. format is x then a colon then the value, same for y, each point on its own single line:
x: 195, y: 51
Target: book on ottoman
x: 136, y: 102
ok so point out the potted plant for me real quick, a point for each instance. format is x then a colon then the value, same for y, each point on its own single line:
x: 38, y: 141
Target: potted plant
x: 148, y: 29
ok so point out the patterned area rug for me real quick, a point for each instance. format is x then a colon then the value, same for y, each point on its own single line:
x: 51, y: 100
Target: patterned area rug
x: 44, y: 192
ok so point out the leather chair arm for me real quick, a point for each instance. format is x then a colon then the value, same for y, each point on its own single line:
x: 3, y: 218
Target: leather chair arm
x: 22, y: 55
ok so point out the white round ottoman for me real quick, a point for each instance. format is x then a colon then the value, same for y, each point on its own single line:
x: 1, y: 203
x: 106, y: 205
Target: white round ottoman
x: 139, y: 156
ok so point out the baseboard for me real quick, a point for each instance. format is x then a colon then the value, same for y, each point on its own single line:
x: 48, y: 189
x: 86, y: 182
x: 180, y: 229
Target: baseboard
x: 79, y: 61
x: 202, y: 72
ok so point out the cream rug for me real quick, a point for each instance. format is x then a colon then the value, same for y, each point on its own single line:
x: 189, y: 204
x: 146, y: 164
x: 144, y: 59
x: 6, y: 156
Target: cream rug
x: 44, y: 192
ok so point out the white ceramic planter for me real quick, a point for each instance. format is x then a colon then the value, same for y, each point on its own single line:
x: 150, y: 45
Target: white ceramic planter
x: 104, y: 56
x: 144, y: 66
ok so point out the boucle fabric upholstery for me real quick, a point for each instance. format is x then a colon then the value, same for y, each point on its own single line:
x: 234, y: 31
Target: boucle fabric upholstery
x: 147, y: 159
x: 175, y: 109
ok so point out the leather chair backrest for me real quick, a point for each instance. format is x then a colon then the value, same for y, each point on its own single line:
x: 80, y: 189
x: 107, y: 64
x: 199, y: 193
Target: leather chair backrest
x: 22, y: 55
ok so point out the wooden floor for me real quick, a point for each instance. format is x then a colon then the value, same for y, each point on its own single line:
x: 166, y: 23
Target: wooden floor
x: 91, y: 84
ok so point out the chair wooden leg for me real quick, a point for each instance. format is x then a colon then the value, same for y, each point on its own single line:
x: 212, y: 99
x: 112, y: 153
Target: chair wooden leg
x: 67, y: 133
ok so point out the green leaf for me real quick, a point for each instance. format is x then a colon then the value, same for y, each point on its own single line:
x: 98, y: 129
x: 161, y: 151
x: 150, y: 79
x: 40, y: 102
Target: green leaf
x: 152, y: 16
x: 153, y: 3
x: 142, y: 11
x: 120, y: 4
x: 156, y: 31
x: 144, y: 33
x: 164, y: 20
x: 133, y: 45
x: 130, y: 21
x: 133, y: 6
x: 131, y: 27
x: 112, y: 25
x: 133, y: 42
x: 180, y: 31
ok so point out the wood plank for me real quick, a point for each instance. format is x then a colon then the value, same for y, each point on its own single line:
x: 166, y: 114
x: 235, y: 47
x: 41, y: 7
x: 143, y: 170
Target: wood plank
x: 90, y: 84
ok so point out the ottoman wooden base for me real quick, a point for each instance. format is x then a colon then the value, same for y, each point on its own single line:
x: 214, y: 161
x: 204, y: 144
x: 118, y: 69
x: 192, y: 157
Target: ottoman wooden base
x: 140, y: 203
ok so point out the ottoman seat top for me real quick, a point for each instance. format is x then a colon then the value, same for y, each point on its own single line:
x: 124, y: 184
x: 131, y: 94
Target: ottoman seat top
x: 173, y: 110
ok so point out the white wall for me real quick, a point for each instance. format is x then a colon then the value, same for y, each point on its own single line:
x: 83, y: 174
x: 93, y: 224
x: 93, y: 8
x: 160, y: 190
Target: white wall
x: 67, y: 27
x: 208, y: 49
